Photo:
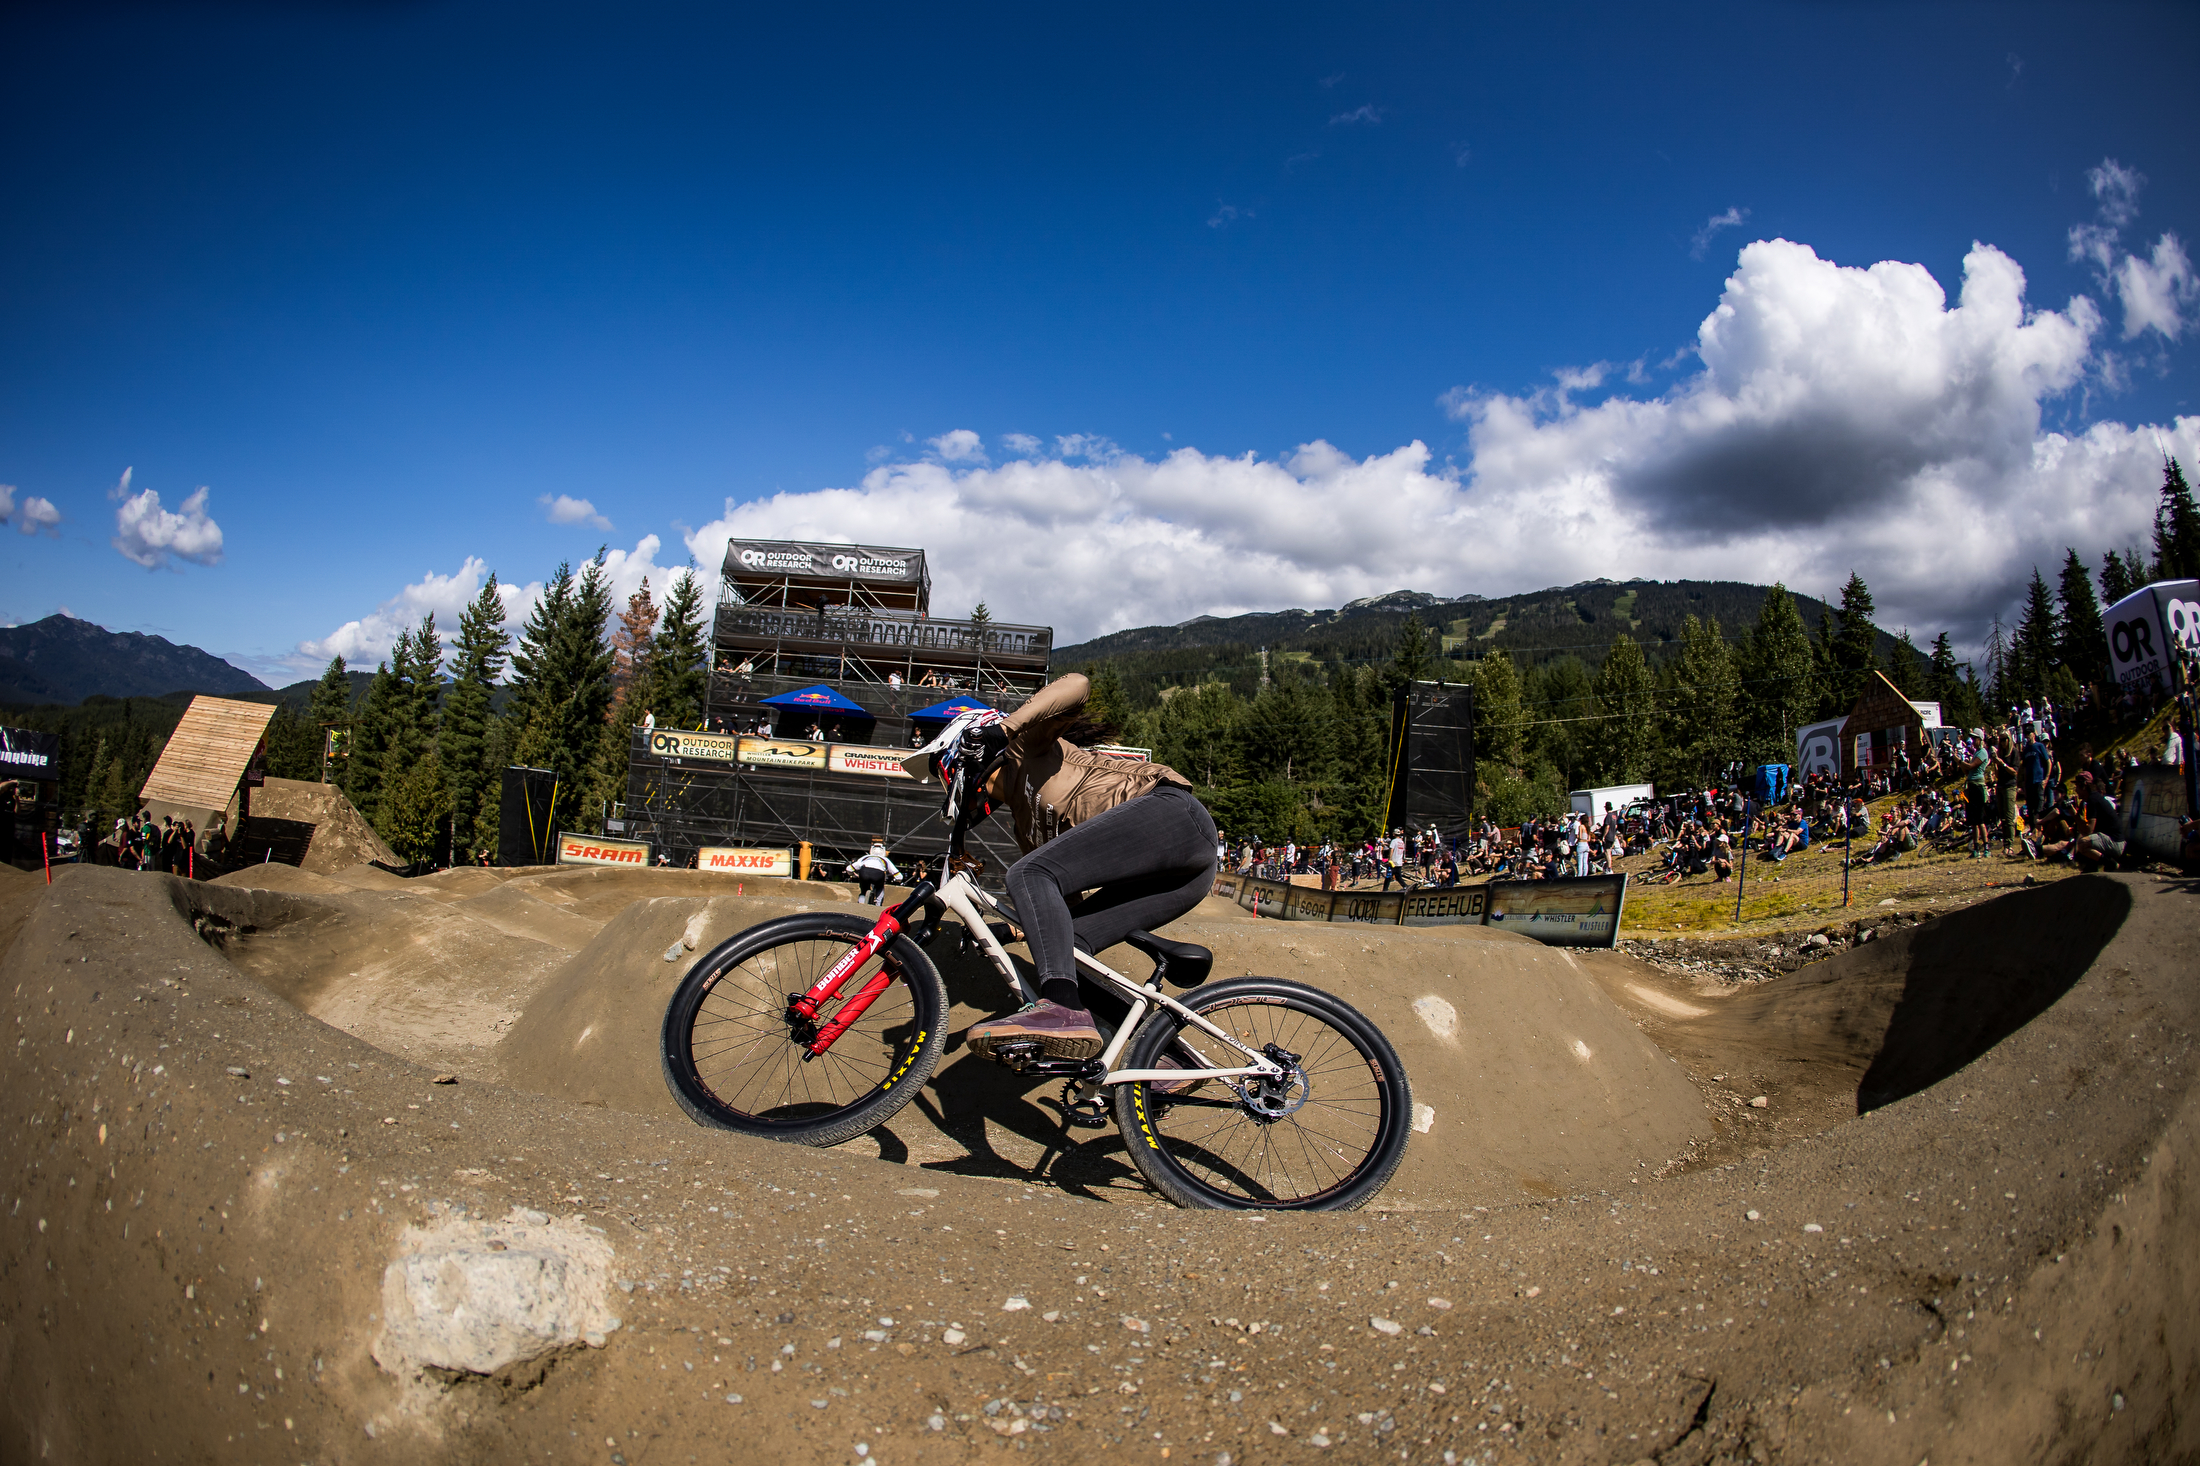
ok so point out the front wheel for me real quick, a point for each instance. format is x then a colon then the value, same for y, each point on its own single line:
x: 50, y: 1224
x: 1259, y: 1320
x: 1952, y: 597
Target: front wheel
x: 735, y: 1061
x: 1327, y: 1137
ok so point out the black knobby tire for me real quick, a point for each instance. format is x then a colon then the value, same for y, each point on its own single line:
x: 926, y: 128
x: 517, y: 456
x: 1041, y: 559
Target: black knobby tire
x: 1205, y: 1147
x: 732, y: 1062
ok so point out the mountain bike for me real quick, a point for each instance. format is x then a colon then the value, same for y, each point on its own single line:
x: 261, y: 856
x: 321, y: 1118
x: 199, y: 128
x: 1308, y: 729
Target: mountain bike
x: 1253, y: 1093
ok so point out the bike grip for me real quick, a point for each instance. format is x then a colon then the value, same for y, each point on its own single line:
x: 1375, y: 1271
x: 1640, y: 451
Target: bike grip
x: 917, y: 898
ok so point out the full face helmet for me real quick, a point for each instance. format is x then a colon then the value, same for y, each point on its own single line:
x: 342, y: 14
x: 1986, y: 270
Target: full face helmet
x: 958, y: 756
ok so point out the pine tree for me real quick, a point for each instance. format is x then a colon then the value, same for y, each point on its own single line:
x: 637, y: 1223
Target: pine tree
x: 565, y: 661
x: 2116, y: 579
x: 2084, y: 647
x: 1409, y: 658
x: 630, y: 647
x: 1704, y: 733
x: 1943, y: 675
x: 293, y: 746
x: 1626, y: 702
x: 1905, y: 668
x: 1106, y: 704
x: 1776, y: 697
x: 477, y: 663
x: 328, y: 711
x: 371, y: 737
x: 422, y: 673
x: 2039, y: 633
x: 413, y: 808
x: 1996, y: 690
x: 2176, y: 528
x: 679, y: 654
x: 1196, y: 734
x: 1855, y: 646
x: 1499, y: 736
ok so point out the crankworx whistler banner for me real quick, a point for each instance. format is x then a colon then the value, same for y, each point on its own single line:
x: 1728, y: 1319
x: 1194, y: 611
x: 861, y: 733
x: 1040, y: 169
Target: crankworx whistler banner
x: 1563, y: 913
x: 601, y: 850
x: 735, y: 860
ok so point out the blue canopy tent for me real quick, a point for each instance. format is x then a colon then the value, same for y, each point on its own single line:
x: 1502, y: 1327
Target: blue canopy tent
x: 824, y: 706
x: 924, y: 723
x: 948, y: 711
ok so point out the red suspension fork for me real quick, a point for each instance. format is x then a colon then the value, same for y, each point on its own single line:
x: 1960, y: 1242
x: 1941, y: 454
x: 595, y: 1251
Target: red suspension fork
x: 888, y: 926
x: 821, y: 992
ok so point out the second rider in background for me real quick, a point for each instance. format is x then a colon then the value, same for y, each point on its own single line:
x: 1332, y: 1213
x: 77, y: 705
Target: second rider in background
x: 1112, y: 846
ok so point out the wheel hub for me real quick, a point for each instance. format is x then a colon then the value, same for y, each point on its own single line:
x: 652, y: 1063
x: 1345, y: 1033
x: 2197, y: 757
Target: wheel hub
x: 1271, y: 1098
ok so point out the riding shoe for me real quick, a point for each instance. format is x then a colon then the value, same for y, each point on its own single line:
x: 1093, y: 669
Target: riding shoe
x: 1061, y: 1033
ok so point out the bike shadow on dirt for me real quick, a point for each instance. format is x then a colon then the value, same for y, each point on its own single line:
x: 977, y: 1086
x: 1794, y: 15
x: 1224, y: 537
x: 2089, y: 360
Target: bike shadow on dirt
x: 966, y: 1092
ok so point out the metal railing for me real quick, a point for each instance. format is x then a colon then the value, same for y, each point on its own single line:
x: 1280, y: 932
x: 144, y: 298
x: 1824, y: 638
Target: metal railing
x: 874, y: 629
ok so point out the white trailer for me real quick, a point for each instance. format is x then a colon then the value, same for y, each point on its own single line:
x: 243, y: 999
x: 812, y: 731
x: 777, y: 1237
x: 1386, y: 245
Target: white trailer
x: 1591, y: 802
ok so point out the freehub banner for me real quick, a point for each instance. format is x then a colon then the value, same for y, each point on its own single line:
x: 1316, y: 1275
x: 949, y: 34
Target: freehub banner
x: 2145, y: 625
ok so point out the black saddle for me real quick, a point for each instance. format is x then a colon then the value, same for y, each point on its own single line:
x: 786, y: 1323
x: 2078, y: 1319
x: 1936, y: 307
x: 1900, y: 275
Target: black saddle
x: 1180, y: 962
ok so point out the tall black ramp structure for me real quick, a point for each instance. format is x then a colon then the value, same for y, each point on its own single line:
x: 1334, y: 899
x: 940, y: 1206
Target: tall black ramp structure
x: 1432, y: 758
x: 526, y: 828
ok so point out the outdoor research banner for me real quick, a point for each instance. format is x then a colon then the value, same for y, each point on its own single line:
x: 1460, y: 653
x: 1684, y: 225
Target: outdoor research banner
x: 2145, y: 625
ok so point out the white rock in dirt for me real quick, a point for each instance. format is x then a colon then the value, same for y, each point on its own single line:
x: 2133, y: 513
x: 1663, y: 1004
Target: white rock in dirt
x: 1386, y: 1325
x: 1760, y: 1103
x: 480, y: 1296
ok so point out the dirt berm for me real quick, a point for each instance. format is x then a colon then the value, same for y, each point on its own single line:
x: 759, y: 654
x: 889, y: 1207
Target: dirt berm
x: 1528, y: 1080
x: 236, y: 1232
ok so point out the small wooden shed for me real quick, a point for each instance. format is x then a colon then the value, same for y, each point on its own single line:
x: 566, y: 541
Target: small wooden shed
x: 1881, y: 721
x: 213, y: 758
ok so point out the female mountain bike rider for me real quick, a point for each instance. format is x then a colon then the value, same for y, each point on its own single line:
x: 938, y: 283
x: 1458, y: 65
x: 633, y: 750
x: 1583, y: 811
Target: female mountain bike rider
x: 1129, y: 835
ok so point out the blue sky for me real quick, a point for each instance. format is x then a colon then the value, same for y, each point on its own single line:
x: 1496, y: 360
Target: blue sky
x: 1125, y: 319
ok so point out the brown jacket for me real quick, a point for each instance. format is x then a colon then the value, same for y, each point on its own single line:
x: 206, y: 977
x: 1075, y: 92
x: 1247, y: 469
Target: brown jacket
x: 1052, y: 783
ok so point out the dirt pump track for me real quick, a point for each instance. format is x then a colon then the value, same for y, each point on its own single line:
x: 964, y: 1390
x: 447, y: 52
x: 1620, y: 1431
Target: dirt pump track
x: 1961, y: 1227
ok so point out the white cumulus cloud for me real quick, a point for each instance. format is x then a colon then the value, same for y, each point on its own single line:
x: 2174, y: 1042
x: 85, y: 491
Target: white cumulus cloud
x: 1841, y: 418
x: 2158, y: 289
x: 150, y: 535
x: 959, y: 446
x: 368, y: 640
x: 565, y: 509
x: 37, y: 515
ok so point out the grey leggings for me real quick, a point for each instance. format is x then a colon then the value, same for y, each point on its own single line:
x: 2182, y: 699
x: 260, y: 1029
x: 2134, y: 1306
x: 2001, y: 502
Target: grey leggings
x: 1147, y: 862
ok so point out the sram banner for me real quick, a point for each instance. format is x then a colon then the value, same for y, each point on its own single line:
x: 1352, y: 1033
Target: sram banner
x: 2144, y: 626
x: 733, y: 860
x: 600, y: 850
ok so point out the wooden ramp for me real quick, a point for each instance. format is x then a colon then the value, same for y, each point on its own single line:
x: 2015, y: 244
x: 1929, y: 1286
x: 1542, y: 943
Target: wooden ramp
x: 207, y: 755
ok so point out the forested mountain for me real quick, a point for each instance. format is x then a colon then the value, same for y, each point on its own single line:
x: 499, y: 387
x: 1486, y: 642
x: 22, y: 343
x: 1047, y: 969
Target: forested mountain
x: 1537, y: 628
x: 62, y: 660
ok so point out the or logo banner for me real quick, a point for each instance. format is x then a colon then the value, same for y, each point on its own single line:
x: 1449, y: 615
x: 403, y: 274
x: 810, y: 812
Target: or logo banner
x: 782, y: 753
x: 26, y: 754
x: 679, y: 743
x: 1582, y: 912
x: 830, y: 562
x: 731, y: 860
x: 601, y: 850
x: 2145, y: 625
x: 858, y: 758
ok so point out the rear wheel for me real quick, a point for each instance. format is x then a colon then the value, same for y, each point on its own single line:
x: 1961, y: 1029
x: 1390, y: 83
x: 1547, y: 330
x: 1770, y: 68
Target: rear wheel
x: 733, y: 1059
x: 1327, y: 1137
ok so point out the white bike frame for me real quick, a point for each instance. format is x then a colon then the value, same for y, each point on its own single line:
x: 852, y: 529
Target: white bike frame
x: 967, y: 900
